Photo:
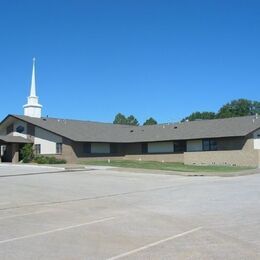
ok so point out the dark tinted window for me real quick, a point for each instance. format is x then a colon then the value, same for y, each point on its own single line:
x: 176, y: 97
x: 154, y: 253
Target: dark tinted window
x: 113, y: 148
x: 87, y: 148
x: 209, y: 145
x: 180, y: 146
x: 58, y: 148
x: 19, y: 129
x: 144, y: 148
x: 206, y: 145
x: 213, y: 145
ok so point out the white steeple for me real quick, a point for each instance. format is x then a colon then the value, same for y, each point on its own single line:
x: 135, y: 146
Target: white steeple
x: 33, y: 90
x: 33, y: 108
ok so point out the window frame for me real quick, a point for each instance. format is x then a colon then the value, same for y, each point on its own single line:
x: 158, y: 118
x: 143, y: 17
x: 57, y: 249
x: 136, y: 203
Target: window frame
x: 37, y: 149
x: 144, y: 148
x: 86, y: 148
x: 180, y: 146
x: 113, y: 148
x: 211, y: 145
x: 58, y: 148
x: 20, y: 129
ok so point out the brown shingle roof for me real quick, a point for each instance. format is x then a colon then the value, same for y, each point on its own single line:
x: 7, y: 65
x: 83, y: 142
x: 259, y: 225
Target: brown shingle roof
x: 87, y: 131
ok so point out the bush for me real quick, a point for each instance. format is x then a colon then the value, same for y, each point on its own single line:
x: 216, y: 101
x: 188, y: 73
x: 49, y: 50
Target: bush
x: 27, y: 153
x: 48, y: 160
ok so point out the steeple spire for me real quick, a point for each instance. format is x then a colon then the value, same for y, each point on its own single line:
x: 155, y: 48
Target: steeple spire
x: 33, y: 84
x: 33, y: 108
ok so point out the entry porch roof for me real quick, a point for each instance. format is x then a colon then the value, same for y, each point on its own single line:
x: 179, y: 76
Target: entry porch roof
x: 14, y: 139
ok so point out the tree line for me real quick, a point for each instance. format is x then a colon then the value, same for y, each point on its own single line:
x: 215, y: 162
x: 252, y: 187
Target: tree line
x: 234, y: 108
x: 131, y: 120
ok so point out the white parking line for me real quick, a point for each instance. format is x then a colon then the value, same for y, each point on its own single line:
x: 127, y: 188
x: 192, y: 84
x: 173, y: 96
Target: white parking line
x: 56, y: 230
x: 154, y: 244
x: 25, y: 214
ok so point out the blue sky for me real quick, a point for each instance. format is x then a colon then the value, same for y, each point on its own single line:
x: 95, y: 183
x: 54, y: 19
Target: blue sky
x: 159, y: 58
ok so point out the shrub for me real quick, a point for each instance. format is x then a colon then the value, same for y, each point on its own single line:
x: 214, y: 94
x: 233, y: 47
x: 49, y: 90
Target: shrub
x: 27, y: 153
x: 48, y: 160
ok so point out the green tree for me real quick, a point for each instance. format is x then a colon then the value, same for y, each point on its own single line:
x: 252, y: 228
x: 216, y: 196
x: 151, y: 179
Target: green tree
x: 150, y: 121
x: 131, y: 120
x: 239, y: 107
x: 256, y: 107
x: 123, y: 120
x: 199, y: 115
x: 120, y: 119
x: 27, y: 153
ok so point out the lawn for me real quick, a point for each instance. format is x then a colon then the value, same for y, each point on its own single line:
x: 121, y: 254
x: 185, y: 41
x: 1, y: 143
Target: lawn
x: 167, y: 166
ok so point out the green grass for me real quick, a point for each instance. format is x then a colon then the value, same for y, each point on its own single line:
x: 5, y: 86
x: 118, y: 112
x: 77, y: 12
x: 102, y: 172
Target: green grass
x: 167, y: 166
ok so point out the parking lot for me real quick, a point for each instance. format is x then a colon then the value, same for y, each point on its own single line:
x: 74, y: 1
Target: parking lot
x: 46, y: 213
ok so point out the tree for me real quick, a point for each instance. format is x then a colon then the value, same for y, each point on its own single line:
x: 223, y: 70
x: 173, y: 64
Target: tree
x: 27, y: 153
x: 123, y: 120
x: 131, y: 120
x: 150, y: 121
x: 239, y: 107
x: 199, y: 115
x: 120, y: 119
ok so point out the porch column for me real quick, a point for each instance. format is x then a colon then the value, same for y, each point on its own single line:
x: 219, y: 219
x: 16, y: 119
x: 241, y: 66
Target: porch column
x: 15, y: 153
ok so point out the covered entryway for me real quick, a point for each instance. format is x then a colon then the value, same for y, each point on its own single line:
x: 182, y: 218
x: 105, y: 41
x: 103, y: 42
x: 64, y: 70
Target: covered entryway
x: 10, y: 147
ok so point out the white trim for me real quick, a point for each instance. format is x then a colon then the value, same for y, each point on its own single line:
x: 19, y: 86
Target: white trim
x: 154, y: 244
x: 55, y: 230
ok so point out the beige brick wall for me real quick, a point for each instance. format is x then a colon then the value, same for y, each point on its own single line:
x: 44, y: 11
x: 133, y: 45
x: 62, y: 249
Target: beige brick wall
x: 157, y: 157
x: 143, y: 157
x: 72, y: 152
x: 68, y: 152
x: 247, y: 156
x: 15, y: 153
x: 233, y: 157
x: 101, y: 158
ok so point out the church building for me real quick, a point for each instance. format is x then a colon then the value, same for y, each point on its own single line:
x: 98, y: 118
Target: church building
x: 230, y: 141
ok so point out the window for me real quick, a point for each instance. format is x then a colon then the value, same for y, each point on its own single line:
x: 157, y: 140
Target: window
x: 58, y: 148
x: 113, y: 148
x: 144, y: 148
x: 19, y: 129
x: 213, y: 145
x: 160, y: 147
x: 3, y: 148
x: 86, y: 148
x: 180, y: 146
x: 206, y: 145
x: 100, y: 148
x: 209, y: 145
x: 37, y: 149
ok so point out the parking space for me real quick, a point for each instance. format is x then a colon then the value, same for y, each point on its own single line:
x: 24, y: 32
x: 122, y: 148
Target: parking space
x: 104, y: 214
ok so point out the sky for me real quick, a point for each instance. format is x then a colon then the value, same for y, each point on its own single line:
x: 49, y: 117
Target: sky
x: 159, y: 58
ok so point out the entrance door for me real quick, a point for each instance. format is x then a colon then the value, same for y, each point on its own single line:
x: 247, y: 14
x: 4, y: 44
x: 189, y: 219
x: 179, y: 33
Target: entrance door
x: 6, y: 153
